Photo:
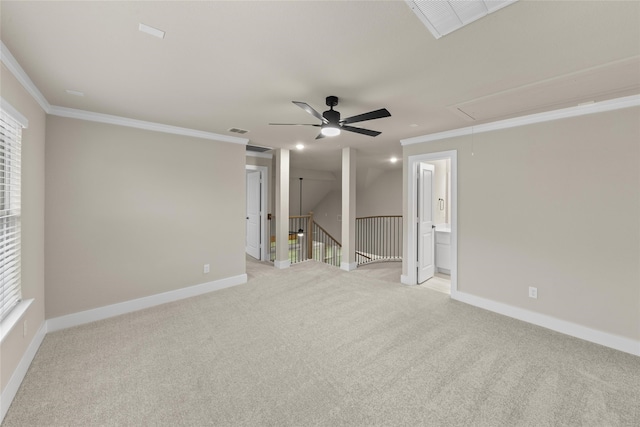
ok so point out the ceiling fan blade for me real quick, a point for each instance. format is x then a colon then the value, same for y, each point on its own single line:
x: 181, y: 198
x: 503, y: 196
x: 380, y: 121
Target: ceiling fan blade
x: 377, y: 114
x: 293, y: 124
x: 362, y: 131
x: 306, y: 107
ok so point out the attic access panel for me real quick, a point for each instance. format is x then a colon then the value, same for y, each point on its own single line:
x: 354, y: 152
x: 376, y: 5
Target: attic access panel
x: 442, y: 17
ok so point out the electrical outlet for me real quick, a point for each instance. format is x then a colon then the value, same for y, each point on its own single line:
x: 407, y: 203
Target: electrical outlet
x: 533, y: 292
x: 206, y: 268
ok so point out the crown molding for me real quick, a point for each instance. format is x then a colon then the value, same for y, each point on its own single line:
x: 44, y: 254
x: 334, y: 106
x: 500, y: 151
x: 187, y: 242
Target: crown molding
x: 141, y: 124
x: 10, y: 62
x: 564, y: 113
x: 14, y: 67
x: 6, y: 106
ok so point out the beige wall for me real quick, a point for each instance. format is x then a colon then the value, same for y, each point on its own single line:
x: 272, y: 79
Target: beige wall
x: 132, y: 213
x: 14, y: 345
x: 313, y: 191
x: 326, y: 214
x: 259, y: 161
x: 383, y: 196
x: 554, y: 205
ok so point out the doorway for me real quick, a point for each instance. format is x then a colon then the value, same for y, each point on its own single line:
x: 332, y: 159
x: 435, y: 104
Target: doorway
x: 426, y: 229
x: 256, y: 208
x: 415, y: 227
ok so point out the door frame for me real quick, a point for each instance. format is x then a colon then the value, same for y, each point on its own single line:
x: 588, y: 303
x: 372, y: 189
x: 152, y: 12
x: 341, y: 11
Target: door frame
x: 264, y: 193
x: 411, y: 235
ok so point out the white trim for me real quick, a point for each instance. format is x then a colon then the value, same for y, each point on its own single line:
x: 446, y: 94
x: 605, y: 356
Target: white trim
x: 257, y: 154
x: 141, y: 124
x: 63, y: 322
x: 9, y: 392
x: 17, y: 116
x: 13, y: 318
x: 412, y: 207
x: 10, y: 62
x: 568, y: 328
x: 580, y: 110
x: 406, y: 280
x: 346, y: 266
x: 264, y: 198
x: 113, y: 310
x: 282, y: 264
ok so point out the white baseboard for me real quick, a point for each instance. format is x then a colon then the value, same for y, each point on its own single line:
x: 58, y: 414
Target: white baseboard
x: 282, y: 264
x: 100, y: 313
x: 405, y: 280
x: 346, y: 266
x: 568, y: 328
x: 13, y: 385
x: 105, y: 312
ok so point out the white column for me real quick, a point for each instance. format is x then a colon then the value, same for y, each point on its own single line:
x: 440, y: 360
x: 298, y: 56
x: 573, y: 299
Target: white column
x: 282, y: 209
x: 348, y: 261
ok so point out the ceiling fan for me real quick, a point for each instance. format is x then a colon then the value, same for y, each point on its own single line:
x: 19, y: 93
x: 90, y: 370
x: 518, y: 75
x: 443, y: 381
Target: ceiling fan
x: 332, y: 125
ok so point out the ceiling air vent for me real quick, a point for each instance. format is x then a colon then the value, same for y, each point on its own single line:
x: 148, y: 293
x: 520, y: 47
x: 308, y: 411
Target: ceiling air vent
x: 237, y: 130
x: 442, y: 17
x: 257, y: 148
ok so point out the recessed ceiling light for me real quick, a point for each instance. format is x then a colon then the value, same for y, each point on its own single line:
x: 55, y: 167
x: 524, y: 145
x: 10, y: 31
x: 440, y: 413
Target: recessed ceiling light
x: 150, y: 30
x: 393, y: 159
x: 300, y: 146
x: 74, y: 92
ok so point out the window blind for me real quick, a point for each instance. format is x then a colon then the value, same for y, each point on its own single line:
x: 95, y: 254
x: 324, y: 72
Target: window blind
x: 10, y: 159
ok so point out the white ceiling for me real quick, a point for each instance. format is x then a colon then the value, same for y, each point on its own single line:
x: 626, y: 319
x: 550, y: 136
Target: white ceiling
x: 240, y: 64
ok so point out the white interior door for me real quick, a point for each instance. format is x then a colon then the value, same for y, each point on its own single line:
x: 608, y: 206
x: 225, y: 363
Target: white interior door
x: 253, y: 213
x: 426, y: 264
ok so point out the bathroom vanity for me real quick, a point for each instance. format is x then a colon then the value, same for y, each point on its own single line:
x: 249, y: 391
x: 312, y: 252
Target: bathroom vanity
x: 443, y: 248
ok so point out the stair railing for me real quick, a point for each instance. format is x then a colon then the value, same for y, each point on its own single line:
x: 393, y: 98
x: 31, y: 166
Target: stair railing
x: 300, y: 237
x: 325, y: 247
x: 378, y: 238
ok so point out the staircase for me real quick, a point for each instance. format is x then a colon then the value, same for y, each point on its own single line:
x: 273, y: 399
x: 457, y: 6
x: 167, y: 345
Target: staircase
x: 308, y: 240
x: 378, y: 238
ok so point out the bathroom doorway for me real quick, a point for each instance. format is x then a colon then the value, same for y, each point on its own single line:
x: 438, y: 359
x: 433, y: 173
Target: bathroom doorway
x: 444, y: 215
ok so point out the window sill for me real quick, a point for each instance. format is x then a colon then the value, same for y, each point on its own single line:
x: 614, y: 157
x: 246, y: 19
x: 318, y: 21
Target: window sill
x: 14, y: 317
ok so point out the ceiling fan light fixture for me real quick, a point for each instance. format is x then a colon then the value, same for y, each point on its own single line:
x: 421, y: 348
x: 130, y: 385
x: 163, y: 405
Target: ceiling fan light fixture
x: 332, y: 125
x: 330, y: 130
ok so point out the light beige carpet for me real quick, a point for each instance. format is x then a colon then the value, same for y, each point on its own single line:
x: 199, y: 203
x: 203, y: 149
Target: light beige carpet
x: 313, y: 345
